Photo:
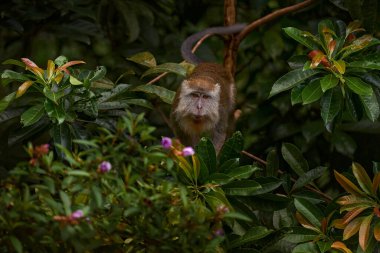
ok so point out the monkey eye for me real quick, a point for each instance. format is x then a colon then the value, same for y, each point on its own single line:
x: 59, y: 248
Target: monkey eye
x: 206, y: 96
x: 194, y: 95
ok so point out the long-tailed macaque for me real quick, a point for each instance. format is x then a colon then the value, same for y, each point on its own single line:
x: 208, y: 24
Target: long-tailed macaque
x: 205, y: 101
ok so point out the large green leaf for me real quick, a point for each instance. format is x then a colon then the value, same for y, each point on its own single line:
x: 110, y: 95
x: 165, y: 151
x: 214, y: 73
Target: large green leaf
x: 62, y: 136
x: 311, y: 212
x: 164, y: 94
x: 13, y: 75
x: 231, y: 148
x: 331, y: 104
x: 328, y: 82
x: 291, y: 79
x: 17, y: 245
x: 253, y: 234
x: 99, y: 73
x: 5, y: 101
x: 294, y: 158
x: 365, y: 64
x: 302, y: 37
x: 206, y: 151
x: 166, y: 67
x: 243, y: 172
x: 66, y: 201
x: 119, y: 90
x: 14, y: 62
x: 301, y: 234
x: 308, y: 177
x: 32, y: 115
x: 312, y: 92
x: 268, y: 184
x: 296, y: 94
x: 268, y: 202
x: 358, y: 86
x: 229, y: 165
x: 308, y: 247
x: 144, y: 58
x: 371, y: 106
x: 242, y: 188
x: 273, y: 163
x: 55, y: 111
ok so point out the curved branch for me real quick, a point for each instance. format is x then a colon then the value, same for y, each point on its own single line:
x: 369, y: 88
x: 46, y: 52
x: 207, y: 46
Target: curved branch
x: 272, y: 16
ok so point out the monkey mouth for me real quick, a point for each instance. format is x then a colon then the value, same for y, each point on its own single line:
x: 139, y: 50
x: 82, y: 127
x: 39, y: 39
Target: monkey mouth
x: 198, y: 118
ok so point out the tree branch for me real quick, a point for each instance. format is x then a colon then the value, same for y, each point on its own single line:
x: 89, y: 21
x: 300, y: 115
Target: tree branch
x: 272, y: 16
x: 229, y: 19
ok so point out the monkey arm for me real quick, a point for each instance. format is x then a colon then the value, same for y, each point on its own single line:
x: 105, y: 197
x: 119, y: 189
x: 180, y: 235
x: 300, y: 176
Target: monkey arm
x: 186, y: 48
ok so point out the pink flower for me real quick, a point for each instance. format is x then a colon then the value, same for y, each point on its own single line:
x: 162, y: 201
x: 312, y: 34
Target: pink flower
x: 77, y: 215
x: 104, y: 167
x: 166, y: 142
x: 188, y: 151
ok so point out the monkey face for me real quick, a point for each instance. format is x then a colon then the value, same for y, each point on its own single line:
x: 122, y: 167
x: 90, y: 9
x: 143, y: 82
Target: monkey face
x: 198, y: 106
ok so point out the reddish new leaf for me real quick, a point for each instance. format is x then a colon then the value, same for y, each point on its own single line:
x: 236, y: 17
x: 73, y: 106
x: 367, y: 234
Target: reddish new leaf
x: 362, y: 177
x: 340, y: 246
x: 347, y: 184
x: 23, y: 88
x: 376, y: 231
x: 352, y: 228
x: 364, y: 232
x: 349, y: 216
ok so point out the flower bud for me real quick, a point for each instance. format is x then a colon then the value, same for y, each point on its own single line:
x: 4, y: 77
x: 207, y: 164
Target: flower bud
x: 104, y: 167
x: 188, y: 151
x: 166, y: 142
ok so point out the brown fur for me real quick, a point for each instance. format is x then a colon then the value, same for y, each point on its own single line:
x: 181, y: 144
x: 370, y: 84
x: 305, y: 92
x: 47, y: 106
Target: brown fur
x: 203, y: 79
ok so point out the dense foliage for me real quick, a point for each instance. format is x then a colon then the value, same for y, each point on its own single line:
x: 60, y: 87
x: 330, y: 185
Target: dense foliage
x: 81, y: 168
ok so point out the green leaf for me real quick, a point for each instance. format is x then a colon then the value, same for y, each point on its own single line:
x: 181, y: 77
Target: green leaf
x: 242, y: 172
x: 300, y: 234
x: 55, y: 111
x: 362, y: 178
x: 66, y: 202
x: 253, y: 234
x: 268, y: 184
x: 273, y: 163
x: 14, y: 62
x: 164, y: 94
x: 96, y: 194
x: 324, y: 246
x: 119, y: 90
x: 267, y: 202
x: 296, y: 94
x: 328, y: 82
x: 62, y: 136
x: 13, y: 75
x: 32, y: 115
x: 144, y: 58
x: 331, y: 104
x: 75, y: 81
x: 238, y: 216
x: 78, y: 173
x: 232, y: 148
x: 306, y: 39
x: 99, y: 74
x: 219, y: 178
x: 309, y: 247
x: 312, y: 92
x: 371, y: 106
x: 311, y: 212
x: 308, y: 177
x: 54, y: 95
x: 291, y: 79
x: 365, y: 64
x: 17, y: 245
x: 242, y: 188
x: 5, y: 101
x: 206, y: 151
x: 358, y: 86
x: 294, y: 158
x: 166, y: 67
x: 229, y: 165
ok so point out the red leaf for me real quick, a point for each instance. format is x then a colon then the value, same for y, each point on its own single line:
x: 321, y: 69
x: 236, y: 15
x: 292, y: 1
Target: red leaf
x: 364, y: 232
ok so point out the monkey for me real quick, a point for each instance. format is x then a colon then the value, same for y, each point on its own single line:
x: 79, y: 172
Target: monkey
x: 205, y: 101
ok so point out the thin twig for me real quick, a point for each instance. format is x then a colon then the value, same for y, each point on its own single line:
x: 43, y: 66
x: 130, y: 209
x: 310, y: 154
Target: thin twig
x: 158, y: 78
x: 254, y: 157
